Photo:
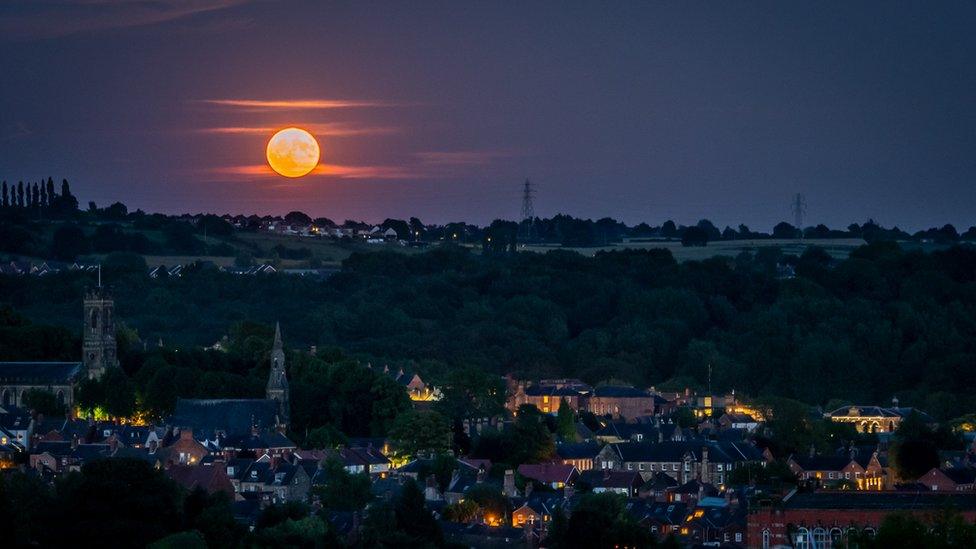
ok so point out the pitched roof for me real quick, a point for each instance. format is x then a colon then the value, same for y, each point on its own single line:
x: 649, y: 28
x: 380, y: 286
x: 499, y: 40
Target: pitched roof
x: 209, y: 477
x: 668, y: 451
x: 577, y: 450
x: 855, y: 499
x: 232, y: 416
x: 620, y: 392
x: 606, y: 478
x: 822, y: 463
x: 960, y: 475
x: 53, y: 373
x: 547, y: 473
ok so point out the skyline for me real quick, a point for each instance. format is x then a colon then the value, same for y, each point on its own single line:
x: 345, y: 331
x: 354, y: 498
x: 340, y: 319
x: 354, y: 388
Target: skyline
x: 640, y: 113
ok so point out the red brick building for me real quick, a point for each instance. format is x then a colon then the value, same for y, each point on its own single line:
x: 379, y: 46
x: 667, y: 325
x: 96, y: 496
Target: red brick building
x: 621, y: 402
x: 825, y: 520
x: 949, y: 480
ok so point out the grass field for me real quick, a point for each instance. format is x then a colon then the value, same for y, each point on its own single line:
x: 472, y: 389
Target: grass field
x: 838, y: 248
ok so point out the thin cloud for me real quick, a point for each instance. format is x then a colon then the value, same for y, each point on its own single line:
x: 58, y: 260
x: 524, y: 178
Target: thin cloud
x: 259, y: 171
x: 294, y: 104
x: 459, y: 158
x: 324, y: 129
x: 40, y: 19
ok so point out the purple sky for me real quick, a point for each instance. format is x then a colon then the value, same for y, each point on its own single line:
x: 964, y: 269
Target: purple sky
x: 635, y: 110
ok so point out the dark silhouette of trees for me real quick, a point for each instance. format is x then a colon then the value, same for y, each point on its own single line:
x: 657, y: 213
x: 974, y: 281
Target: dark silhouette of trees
x: 694, y: 236
x: 6, y: 198
x: 69, y: 242
x: 298, y: 218
x: 785, y: 231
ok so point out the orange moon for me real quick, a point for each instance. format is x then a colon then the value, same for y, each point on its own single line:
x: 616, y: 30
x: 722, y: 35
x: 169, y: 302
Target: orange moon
x: 293, y: 152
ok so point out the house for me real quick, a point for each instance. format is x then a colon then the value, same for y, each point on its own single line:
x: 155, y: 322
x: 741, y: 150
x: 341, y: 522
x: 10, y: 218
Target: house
x: 825, y: 519
x: 578, y: 454
x: 855, y: 469
x: 690, y: 492
x: 625, y: 483
x: 211, y: 478
x: 683, y: 461
x: 185, y: 450
x: 547, y: 397
x: 876, y: 419
x: 554, y: 475
x: 661, y: 518
x: 616, y: 432
x: 738, y: 421
x: 956, y: 479
x: 714, y: 525
x: 620, y: 402
x: 657, y: 486
x: 274, y: 480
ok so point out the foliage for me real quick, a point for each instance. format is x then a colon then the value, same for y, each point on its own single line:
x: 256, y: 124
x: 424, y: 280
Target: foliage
x: 421, y: 433
x: 43, y: 402
x: 600, y: 520
x: 342, y: 490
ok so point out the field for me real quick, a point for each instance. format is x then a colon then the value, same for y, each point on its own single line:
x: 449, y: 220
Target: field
x: 838, y: 248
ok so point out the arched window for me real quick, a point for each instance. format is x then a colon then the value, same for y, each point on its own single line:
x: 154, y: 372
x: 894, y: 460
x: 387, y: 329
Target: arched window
x: 869, y: 532
x: 7, y: 398
x: 836, y: 536
x: 94, y: 320
x: 765, y: 539
x: 820, y: 538
x: 801, y: 539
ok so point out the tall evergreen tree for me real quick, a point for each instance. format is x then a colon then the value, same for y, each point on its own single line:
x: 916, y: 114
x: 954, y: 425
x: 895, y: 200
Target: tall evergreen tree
x: 35, y: 196
x: 68, y: 204
x: 50, y: 191
x: 6, y: 198
x: 20, y: 194
x: 43, y: 196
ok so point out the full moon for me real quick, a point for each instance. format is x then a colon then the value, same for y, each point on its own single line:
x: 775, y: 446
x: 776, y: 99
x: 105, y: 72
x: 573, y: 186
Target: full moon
x: 293, y: 152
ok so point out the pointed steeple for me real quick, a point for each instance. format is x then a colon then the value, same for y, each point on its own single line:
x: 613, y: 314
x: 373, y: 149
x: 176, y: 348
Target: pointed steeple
x: 277, y: 339
x: 277, y: 388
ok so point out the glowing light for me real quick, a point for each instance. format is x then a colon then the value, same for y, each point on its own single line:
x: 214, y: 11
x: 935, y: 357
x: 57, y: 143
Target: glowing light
x: 293, y: 152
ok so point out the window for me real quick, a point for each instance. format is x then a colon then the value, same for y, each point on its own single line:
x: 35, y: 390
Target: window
x: 640, y: 466
x: 831, y: 475
x: 765, y: 539
x: 738, y: 537
x: 630, y: 466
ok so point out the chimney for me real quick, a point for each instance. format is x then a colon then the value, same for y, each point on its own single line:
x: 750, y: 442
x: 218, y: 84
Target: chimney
x: 894, y: 402
x: 705, y: 473
x: 481, y: 474
x: 508, y: 485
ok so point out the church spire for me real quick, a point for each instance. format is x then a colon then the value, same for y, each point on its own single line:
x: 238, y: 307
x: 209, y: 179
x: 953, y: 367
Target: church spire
x: 278, y: 380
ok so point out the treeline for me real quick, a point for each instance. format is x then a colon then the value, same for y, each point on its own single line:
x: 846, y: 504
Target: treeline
x: 882, y: 322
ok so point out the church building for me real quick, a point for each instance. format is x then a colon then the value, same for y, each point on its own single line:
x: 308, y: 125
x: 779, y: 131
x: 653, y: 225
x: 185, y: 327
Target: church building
x: 234, y: 417
x: 61, y: 378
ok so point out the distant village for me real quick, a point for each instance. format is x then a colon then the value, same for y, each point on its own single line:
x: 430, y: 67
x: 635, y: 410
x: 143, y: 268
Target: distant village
x: 684, y: 461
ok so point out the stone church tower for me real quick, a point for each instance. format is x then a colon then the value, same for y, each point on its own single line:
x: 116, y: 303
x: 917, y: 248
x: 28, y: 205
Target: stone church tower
x: 99, y: 338
x: 278, y: 381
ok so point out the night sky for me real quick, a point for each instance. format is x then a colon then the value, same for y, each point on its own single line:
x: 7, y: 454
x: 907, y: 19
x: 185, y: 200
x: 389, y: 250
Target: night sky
x: 634, y: 110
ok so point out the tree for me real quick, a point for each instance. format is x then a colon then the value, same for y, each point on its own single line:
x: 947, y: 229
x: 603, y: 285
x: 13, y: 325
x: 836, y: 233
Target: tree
x: 118, y: 393
x: 420, y: 433
x: 143, y: 504
x: 669, y: 229
x: 298, y: 218
x: 694, y: 236
x: 43, y: 402
x: 602, y: 520
x: 5, y: 201
x: 69, y: 242
x: 565, y: 421
x: 414, y: 519
x: 213, y: 516
x: 20, y: 194
x: 326, y: 436
x: 784, y: 230
x: 342, y: 490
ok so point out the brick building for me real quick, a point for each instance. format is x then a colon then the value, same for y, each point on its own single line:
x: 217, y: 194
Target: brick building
x: 826, y: 520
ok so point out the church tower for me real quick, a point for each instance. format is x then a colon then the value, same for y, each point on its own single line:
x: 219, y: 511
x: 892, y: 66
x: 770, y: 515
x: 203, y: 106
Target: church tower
x: 98, y: 343
x: 278, y: 381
